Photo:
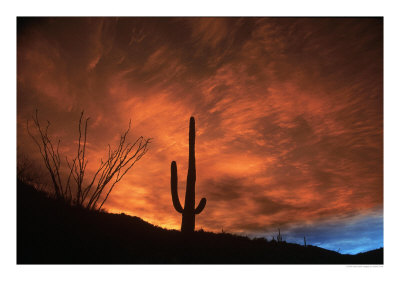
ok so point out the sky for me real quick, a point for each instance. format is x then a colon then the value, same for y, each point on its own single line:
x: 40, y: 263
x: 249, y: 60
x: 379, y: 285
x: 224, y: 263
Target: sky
x: 289, y: 117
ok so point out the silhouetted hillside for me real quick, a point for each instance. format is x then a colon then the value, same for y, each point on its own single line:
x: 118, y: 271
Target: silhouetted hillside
x: 50, y: 232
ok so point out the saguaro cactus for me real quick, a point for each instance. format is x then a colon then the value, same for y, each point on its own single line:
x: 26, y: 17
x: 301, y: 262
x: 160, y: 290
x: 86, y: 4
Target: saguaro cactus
x: 189, y: 211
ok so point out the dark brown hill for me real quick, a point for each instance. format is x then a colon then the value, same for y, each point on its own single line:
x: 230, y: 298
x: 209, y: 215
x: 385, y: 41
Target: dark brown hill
x: 50, y: 232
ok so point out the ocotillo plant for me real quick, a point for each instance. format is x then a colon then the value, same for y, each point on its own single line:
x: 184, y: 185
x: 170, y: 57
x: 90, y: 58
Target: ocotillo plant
x: 189, y: 211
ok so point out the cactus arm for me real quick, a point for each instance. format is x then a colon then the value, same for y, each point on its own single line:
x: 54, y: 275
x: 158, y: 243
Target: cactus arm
x: 174, y: 188
x: 201, y: 206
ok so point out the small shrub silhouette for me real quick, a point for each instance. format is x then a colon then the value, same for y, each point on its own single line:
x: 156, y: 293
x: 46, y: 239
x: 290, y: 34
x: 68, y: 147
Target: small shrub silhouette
x: 189, y: 211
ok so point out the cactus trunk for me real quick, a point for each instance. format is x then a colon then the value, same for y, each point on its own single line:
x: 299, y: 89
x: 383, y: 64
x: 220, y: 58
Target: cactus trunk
x: 189, y: 211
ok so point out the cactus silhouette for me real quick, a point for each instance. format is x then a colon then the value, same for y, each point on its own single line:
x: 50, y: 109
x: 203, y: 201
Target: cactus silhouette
x: 189, y: 211
x: 279, y: 237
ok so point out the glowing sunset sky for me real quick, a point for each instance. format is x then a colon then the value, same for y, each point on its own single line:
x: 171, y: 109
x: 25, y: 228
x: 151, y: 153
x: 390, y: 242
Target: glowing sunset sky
x: 289, y: 116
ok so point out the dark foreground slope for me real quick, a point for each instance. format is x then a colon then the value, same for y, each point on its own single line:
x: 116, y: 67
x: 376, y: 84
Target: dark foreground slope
x: 49, y: 232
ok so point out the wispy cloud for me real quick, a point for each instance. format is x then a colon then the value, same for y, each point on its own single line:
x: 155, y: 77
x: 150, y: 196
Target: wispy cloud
x: 288, y: 111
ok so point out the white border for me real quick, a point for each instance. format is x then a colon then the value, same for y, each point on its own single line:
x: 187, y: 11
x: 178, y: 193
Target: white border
x: 198, y: 282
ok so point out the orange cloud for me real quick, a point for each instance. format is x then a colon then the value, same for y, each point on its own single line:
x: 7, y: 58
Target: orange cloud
x: 288, y: 111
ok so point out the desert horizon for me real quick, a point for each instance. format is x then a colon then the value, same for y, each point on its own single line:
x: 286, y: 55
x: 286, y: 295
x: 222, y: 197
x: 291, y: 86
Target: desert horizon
x: 289, y: 118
